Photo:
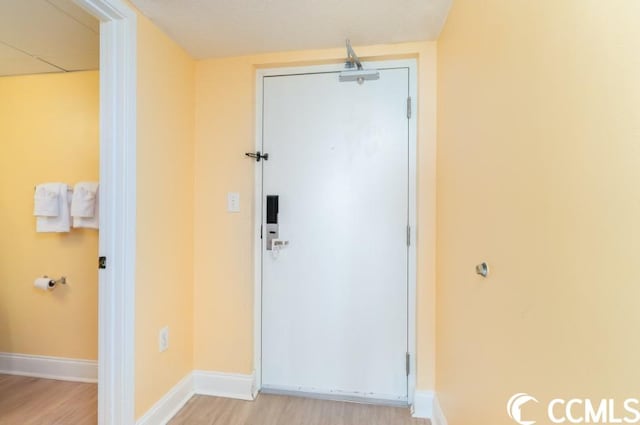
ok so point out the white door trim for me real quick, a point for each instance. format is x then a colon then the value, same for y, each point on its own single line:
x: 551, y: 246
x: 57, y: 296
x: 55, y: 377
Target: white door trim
x: 411, y: 65
x: 116, y: 351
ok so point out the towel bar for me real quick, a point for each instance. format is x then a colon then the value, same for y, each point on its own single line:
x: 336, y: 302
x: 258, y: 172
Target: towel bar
x: 69, y: 188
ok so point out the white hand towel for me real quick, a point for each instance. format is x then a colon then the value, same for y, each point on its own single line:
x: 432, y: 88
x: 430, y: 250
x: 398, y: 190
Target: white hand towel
x: 81, y: 219
x: 45, y: 200
x: 62, y: 222
x: 83, y: 203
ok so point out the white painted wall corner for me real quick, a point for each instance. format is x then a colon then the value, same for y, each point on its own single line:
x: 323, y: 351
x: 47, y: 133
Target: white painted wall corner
x: 426, y: 405
x: 167, y: 407
x: 59, y: 368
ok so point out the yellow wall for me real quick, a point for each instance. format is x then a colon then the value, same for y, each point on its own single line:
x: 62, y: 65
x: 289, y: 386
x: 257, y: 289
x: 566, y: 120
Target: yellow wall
x: 164, y: 264
x: 225, y: 125
x: 538, y: 173
x: 48, y: 132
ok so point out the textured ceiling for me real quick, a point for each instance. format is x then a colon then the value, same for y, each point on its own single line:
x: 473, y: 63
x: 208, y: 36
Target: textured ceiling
x: 215, y: 28
x: 38, y: 36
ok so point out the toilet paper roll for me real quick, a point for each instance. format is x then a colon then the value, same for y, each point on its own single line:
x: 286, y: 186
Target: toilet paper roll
x: 44, y: 283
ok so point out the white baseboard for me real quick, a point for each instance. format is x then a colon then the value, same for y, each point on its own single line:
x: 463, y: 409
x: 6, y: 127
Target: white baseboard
x: 58, y: 368
x: 423, y: 404
x: 199, y: 382
x: 243, y: 387
x: 426, y: 405
x: 230, y: 385
x: 167, y: 407
x: 438, y: 415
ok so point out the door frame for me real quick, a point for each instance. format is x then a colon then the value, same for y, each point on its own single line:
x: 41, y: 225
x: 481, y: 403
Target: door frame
x: 117, y: 241
x: 412, y: 66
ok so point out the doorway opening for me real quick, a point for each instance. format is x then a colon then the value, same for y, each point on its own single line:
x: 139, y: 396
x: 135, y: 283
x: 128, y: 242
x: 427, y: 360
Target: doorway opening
x: 115, y: 280
x: 49, y: 216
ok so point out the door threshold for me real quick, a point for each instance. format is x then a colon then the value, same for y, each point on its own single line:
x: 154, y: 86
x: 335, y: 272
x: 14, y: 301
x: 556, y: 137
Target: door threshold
x: 331, y: 396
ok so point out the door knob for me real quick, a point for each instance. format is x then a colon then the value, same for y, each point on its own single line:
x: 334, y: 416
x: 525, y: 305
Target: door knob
x: 482, y: 269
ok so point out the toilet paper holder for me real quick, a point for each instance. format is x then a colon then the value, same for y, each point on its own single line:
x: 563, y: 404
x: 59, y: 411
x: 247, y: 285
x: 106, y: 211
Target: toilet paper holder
x: 54, y: 282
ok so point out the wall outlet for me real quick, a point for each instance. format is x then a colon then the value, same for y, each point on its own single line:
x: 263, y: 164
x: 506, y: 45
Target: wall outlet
x: 233, y: 202
x: 163, y: 339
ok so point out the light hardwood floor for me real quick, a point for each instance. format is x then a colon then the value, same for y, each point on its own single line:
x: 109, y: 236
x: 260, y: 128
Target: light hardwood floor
x: 286, y: 410
x: 33, y: 401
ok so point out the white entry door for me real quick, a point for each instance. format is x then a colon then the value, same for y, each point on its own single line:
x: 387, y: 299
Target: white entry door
x: 334, y: 300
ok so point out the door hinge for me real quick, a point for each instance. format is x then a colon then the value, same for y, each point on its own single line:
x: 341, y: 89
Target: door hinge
x: 261, y: 231
x: 409, y: 107
x: 408, y: 235
x: 408, y: 363
x: 102, y: 262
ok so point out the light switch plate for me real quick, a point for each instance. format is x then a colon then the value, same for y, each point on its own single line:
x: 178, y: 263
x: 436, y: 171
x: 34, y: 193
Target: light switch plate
x: 233, y: 202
